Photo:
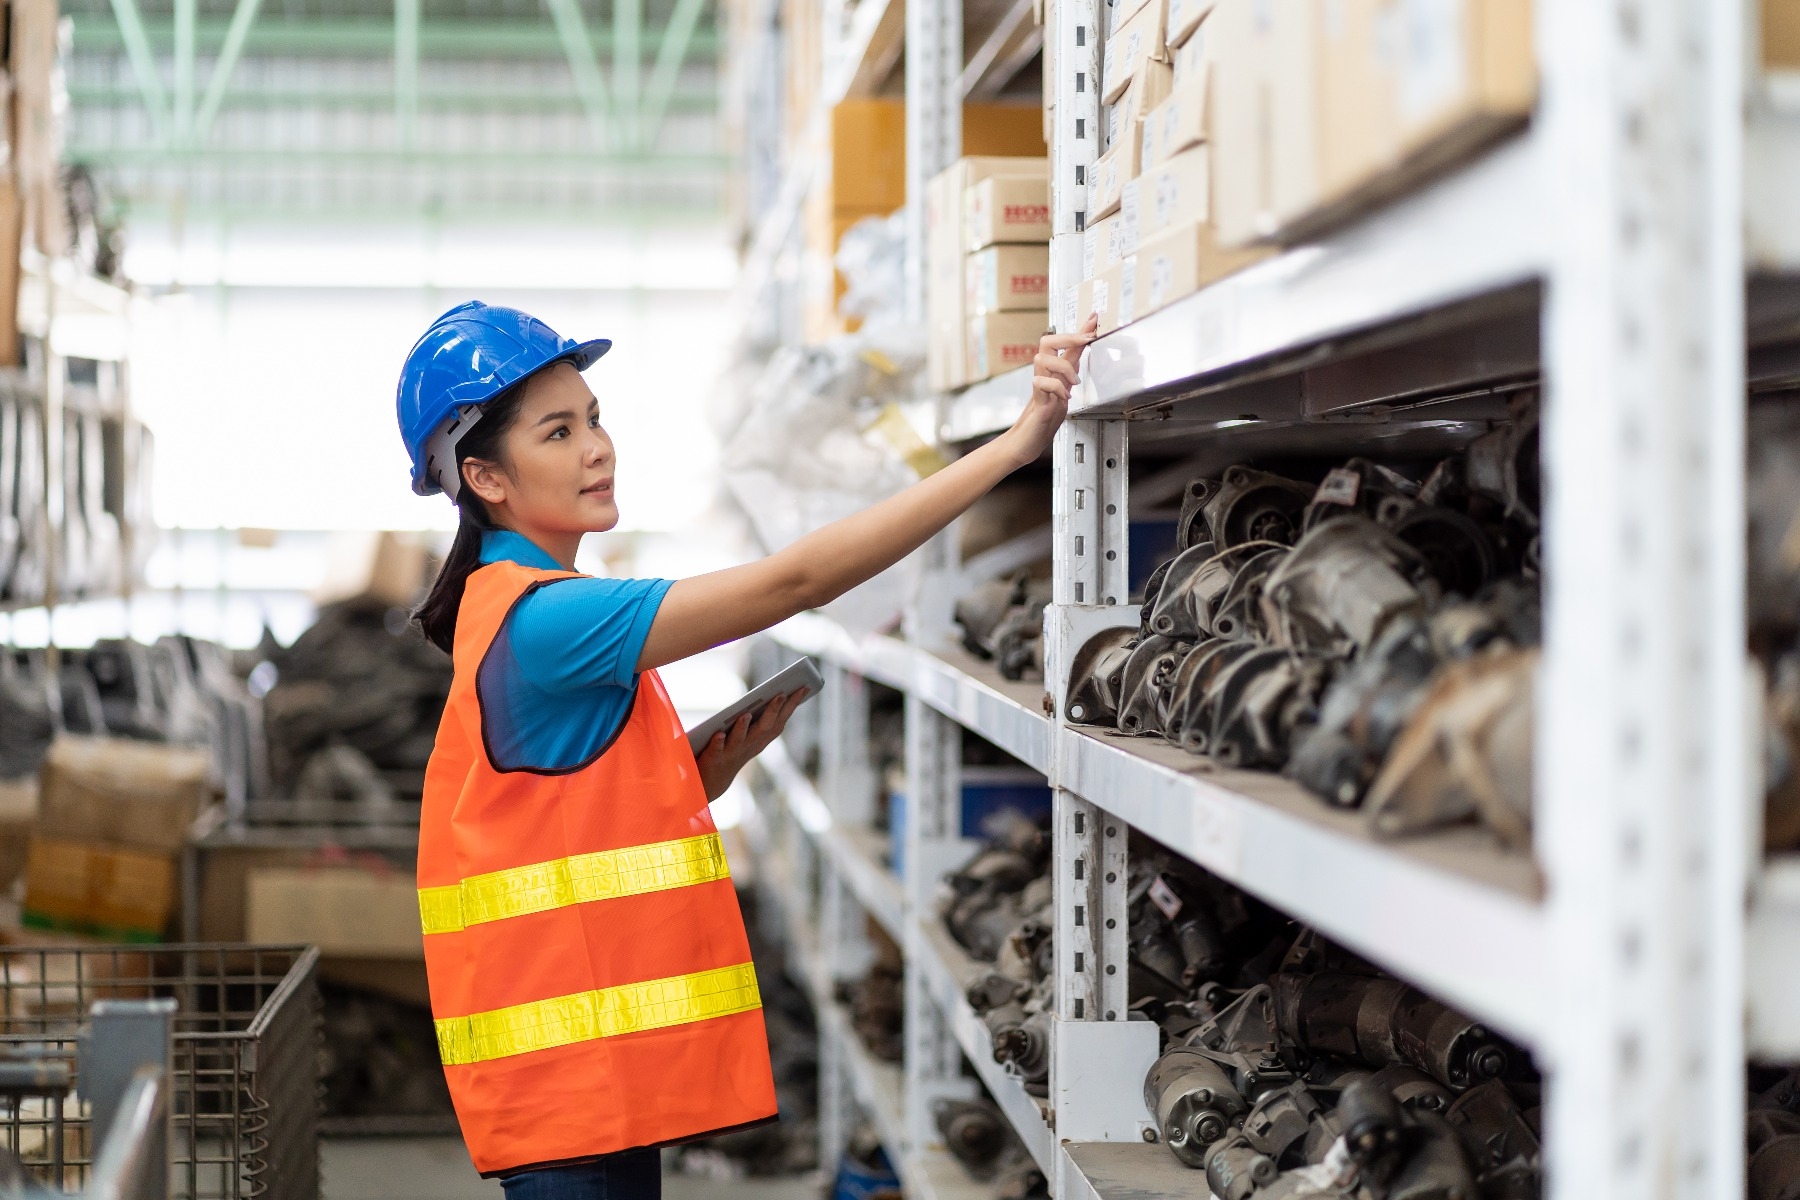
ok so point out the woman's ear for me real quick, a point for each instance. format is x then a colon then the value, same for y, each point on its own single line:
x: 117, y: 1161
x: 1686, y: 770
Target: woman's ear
x: 485, y: 479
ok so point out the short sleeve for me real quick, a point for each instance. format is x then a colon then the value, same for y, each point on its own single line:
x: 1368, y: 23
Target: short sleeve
x: 574, y: 634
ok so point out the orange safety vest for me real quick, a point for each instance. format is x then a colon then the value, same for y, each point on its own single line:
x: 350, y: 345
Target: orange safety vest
x: 590, y: 974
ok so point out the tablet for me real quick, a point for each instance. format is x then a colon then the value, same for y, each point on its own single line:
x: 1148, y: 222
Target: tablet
x: 791, y: 678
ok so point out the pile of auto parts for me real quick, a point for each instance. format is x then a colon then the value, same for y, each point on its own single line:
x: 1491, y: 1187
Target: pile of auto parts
x: 1772, y: 499
x: 1331, y: 1079
x: 1772, y: 1134
x: 1002, y: 621
x: 877, y: 1001
x: 980, y: 1137
x: 1372, y: 634
x: 363, y: 677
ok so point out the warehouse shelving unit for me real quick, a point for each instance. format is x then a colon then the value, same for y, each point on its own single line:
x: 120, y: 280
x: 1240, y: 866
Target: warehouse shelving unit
x: 1623, y: 253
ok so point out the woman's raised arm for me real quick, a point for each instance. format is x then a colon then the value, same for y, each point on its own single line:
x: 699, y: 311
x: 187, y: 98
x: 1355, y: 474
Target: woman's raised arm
x: 708, y: 610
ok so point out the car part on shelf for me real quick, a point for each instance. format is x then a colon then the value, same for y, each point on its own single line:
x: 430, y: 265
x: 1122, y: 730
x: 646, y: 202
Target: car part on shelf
x: 1342, y: 584
x: 1003, y: 620
x: 1235, y: 1169
x: 1149, y: 681
x: 1362, y: 712
x: 1189, y: 722
x: 974, y: 1131
x: 1097, y: 677
x: 1502, y: 466
x: 1465, y: 752
x: 1191, y: 593
x: 1379, y: 1021
x: 1239, y: 613
x: 1256, y: 506
x: 1501, y: 1142
x: 1024, y: 1044
x: 877, y: 1001
x: 1257, y: 704
x: 1192, y: 1098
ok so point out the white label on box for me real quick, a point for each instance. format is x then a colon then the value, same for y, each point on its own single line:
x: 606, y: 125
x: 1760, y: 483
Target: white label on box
x: 1127, y: 285
x: 1115, y: 249
x: 1100, y: 298
x: 1090, y: 250
x: 1147, y: 144
x: 1162, y: 277
x: 1114, y: 113
x: 1128, y: 216
x: 1168, y: 197
x: 1072, y: 314
x: 1431, y: 55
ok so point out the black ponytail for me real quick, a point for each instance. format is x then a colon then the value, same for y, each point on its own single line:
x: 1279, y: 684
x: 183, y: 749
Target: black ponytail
x: 437, y: 615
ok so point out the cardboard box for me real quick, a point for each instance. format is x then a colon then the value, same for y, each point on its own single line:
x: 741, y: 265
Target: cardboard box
x: 1007, y: 208
x: 1124, y: 10
x: 18, y: 814
x: 1009, y: 279
x: 1180, y: 261
x: 1150, y: 88
x: 1392, y: 111
x: 1177, y: 192
x: 1130, y: 46
x: 868, y: 155
x: 345, y: 911
x: 1004, y: 131
x: 124, y: 792
x: 1781, y: 34
x: 1263, y: 59
x: 999, y: 342
x: 1101, y: 296
x: 946, y: 325
x: 93, y: 888
x: 1102, y: 246
x: 1112, y: 172
x: 1185, y: 17
x: 1188, y: 57
x: 1176, y: 124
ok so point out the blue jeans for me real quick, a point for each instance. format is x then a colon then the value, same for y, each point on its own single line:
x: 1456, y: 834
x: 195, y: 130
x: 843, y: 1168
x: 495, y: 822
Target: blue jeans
x: 627, y: 1175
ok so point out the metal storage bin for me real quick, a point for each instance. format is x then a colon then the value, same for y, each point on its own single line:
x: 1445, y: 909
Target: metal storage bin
x: 245, y: 1102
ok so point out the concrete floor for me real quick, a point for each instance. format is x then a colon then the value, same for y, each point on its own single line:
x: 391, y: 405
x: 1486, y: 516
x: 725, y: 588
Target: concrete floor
x: 438, y: 1169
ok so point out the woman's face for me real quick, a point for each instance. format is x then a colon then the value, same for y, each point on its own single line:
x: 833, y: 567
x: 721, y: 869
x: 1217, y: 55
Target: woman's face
x: 557, y: 475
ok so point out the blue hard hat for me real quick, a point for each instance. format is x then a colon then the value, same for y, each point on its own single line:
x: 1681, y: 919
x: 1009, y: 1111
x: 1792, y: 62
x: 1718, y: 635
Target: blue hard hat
x: 470, y: 355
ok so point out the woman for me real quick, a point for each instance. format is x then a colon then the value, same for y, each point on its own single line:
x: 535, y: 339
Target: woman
x: 590, y: 975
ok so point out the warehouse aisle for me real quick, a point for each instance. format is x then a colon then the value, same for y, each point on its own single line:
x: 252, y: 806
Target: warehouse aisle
x: 438, y: 1168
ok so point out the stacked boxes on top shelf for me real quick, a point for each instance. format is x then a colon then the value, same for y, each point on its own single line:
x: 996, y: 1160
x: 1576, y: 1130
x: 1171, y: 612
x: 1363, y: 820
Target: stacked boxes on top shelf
x: 988, y: 267
x: 867, y: 178
x: 1235, y: 125
x: 1149, y: 238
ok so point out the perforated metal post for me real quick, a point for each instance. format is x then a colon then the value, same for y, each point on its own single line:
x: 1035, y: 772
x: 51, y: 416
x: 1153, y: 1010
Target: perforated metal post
x: 934, y: 62
x: 933, y: 847
x: 1640, y: 771
x: 845, y: 783
x: 1073, y: 42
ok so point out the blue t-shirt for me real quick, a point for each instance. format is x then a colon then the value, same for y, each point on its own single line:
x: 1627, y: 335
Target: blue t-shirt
x: 558, y: 682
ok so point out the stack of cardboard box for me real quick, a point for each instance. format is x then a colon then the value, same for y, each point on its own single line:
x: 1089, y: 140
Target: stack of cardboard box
x: 1149, y: 238
x: 988, y: 267
x: 1234, y: 125
x: 112, y: 818
x: 867, y: 178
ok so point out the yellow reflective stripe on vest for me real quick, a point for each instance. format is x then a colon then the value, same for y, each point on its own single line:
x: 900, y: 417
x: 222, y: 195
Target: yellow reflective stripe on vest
x: 605, y: 1012
x: 578, y: 879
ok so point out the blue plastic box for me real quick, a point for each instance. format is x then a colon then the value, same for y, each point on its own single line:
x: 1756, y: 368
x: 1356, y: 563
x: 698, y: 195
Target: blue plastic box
x: 985, y: 791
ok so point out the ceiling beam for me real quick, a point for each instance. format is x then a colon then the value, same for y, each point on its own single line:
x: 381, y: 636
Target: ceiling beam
x: 130, y: 28
x: 578, y: 48
x: 242, y: 17
x: 350, y: 37
x: 185, y: 13
x: 628, y: 57
x: 669, y: 58
x: 406, y: 71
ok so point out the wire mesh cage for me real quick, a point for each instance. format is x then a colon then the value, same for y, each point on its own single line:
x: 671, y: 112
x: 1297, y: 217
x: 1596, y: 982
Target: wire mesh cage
x: 245, y: 1066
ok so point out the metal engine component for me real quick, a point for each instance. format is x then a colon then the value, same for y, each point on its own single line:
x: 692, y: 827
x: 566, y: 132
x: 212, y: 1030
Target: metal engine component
x: 1379, y: 1021
x: 1149, y: 683
x: 1192, y: 591
x: 1239, y: 613
x: 1358, y: 486
x: 1190, y: 526
x: 1503, y: 465
x: 1781, y: 758
x: 1235, y: 1170
x: 1775, y: 1170
x: 1362, y: 712
x: 1502, y: 1146
x: 993, y: 990
x: 1194, y: 1103
x: 1021, y: 1181
x: 1289, y: 1126
x: 1255, y: 506
x: 1019, y: 641
x: 1097, y: 677
x: 1025, y: 1047
x: 1257, y: 703
x: 1465, y: 752
x: 981, y: 610
x: 973, y: 1130
x: 1435, y: 1167
x: 1457, y: 551
x: 1189, y: 723
x: 1003, y: 620
x: 1414, y: 1089
x: 1341, y: 586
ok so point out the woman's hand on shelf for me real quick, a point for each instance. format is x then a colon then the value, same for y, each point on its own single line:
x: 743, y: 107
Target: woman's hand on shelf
x: 1055, y: 372
x: 731, y: 750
